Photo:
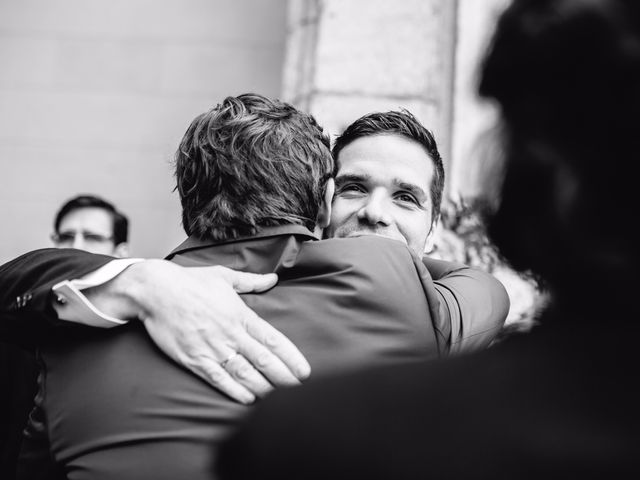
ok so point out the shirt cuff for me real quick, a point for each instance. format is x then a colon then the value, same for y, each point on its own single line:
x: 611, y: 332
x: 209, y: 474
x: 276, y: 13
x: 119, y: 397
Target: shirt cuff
x: 73, y: 306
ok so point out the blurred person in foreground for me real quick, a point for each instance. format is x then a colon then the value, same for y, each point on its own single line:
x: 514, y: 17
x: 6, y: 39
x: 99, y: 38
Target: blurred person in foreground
x: 255, y: 178
x: 561, y: 401
x: 90, y: 223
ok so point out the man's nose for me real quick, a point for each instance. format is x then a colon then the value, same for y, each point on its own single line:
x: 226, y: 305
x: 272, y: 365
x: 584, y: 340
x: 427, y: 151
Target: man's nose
x: 78, y: 241
x: 375, y: 211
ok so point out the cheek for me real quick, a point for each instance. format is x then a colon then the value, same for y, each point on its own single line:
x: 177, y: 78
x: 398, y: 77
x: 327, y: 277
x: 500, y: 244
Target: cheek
x: 415, y: 227
x: 340, y: 210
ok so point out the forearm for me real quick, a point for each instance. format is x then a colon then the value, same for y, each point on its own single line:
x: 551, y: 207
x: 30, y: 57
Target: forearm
x: 440, y: 269
x: 134, y: 293
x: 475, y: 304
x: 195, y: 317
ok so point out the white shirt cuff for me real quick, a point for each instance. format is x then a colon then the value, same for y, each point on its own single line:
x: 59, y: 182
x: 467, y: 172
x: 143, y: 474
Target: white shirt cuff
x: 73, y: 306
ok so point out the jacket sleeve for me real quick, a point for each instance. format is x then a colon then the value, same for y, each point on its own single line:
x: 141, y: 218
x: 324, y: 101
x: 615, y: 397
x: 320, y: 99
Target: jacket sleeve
x: 26, y: 307
x: 473, y: 305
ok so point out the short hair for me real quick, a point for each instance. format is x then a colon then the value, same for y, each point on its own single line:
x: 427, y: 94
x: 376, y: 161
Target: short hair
x: 251, y: 162
x: 120, y: 221
x: 403, y: 123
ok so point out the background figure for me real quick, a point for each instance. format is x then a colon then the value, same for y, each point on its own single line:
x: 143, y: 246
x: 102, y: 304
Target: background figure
x: 85, y: 222
x: 90, y: 223
x: 562, y: 400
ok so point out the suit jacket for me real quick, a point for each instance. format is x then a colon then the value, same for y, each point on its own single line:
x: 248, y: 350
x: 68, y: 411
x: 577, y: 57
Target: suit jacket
x: 460, y: 318
x: 18, y: 371
x: 114, y: 407
x: 26, y: 311
x: 27, y: 317
x: 559, y: 402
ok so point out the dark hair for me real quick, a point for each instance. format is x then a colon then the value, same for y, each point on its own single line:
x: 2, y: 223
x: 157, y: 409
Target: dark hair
x: 566, y: 74
x: 120, y: 221
x: 400, y: 123
x: 251, y: 162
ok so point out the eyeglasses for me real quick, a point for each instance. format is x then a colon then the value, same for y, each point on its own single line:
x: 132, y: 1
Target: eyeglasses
x: 67, y: 238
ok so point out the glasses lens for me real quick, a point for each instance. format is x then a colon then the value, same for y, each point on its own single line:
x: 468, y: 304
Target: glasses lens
x: 95, y: 238
x: 67, y: 238
x: 63, y: 238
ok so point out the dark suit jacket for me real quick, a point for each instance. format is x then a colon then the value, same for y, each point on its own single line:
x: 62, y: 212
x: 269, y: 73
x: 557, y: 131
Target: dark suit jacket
x: 560, y: 402
x: 115, y: 407
x: 25, y: 299
x: 18, y: 371
x: 26, y: 319
x: 25, y: 291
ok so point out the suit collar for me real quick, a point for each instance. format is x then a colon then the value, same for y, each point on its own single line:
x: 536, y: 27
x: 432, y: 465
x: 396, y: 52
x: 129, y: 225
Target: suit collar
x: 193, y: 243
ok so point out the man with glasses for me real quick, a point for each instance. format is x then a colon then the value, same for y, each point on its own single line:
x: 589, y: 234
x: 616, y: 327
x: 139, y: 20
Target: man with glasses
x: 87, y: 222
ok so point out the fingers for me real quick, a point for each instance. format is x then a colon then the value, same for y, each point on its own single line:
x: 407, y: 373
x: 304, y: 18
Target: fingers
x: 273, y: 354
x: 234, y: 376
x: 195, y: 316
x: 243, y: 282
x: 197, y: 355
x: 249, y: 362
x: 228, y: 382
x: 245, y: 374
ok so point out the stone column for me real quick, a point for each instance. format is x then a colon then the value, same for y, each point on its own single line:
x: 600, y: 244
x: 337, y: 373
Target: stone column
x: 346, y: 58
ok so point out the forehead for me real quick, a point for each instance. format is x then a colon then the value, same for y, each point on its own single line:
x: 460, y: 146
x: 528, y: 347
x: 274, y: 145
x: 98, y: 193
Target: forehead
x: 387, y: 158
x: 92, y: 219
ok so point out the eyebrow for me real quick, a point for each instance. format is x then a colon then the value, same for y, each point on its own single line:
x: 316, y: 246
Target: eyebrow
x: 341, y: 179
x: 410, y: 187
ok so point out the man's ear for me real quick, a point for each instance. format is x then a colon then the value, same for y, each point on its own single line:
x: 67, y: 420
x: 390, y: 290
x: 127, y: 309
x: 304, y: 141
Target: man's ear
x: 431, y: 236
x: 324, y: 213
x: 121, y: 250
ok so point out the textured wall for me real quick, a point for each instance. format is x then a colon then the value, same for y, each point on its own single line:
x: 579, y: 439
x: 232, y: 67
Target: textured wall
x: 348, y: 58
x: 95, y: 95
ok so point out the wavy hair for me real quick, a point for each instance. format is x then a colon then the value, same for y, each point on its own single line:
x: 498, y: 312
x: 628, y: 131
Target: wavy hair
x: 251, y: 162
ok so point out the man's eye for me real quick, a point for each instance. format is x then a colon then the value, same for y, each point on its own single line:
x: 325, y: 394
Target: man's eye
x: 65, y: 237
x: 407, y: 198
x: 96, y: 237
x: 352, y: 187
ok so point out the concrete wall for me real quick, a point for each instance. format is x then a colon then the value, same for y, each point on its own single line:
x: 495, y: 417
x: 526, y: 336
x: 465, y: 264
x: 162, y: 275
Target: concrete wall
x: 95, y: 95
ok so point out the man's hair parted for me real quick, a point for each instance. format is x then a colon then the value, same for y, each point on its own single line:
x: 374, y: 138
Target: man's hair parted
x: 251, y: 162
x: 403, y: 123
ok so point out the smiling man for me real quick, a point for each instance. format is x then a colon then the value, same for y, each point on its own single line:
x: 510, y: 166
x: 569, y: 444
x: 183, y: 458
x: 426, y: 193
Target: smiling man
x: 389, y: 180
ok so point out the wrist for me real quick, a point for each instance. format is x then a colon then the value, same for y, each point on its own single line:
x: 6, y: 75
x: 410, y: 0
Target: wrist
x: 141, y: 286
x: 129, y: 294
